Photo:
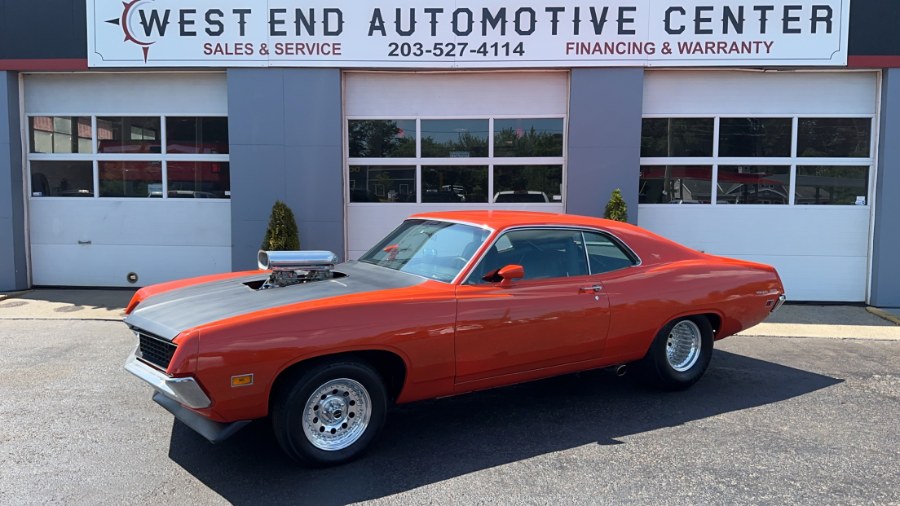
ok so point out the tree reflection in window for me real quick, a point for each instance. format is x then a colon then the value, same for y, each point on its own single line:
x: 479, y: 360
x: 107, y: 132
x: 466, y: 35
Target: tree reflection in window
x: 455, y: 138
x: 382, y: 138
x: 528, y: 137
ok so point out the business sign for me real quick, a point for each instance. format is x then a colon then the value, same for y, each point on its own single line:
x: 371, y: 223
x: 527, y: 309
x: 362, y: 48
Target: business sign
x: 466, y: 33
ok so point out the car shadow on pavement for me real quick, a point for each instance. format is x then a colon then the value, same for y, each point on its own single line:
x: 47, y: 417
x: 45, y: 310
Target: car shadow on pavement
x: 432, y: 441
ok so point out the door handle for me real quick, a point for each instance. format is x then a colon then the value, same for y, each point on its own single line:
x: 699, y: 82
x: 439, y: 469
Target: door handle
x: 84, y: 242
x: 590, y: 289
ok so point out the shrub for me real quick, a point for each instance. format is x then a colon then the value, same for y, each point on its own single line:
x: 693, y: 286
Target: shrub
x: 616, y: 208
x: 282, y: 233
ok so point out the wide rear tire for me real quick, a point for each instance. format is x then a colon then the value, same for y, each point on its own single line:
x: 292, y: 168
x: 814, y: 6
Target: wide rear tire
x: 680, y: 353
x: 330, y: 413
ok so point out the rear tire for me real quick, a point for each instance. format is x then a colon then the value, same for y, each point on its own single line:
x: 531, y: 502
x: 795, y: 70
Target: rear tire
x: 680, y: 353
x: 330, y: 413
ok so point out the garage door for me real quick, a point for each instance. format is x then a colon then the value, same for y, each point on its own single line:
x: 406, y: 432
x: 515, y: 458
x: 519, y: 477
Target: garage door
x: 128, y: 178
x: 775, y: 167
x: 420, y: 142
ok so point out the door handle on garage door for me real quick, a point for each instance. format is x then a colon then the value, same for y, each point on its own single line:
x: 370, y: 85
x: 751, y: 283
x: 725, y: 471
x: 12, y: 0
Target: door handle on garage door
x: 84, y: 242
x: 590, y: 289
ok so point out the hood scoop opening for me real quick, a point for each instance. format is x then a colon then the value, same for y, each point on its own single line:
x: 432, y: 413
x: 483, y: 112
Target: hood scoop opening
x: 295, y: 267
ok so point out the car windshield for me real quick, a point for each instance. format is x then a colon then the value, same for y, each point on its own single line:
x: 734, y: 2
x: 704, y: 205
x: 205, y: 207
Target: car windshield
x: 433, y: 249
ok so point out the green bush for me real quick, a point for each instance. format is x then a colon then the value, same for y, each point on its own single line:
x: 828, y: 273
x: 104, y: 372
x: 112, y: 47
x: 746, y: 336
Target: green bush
x: 282, y: 233
x: 616, y: 208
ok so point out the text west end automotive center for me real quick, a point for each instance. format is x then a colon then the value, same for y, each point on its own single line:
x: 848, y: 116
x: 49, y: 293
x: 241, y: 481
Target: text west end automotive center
x: 147, y: 140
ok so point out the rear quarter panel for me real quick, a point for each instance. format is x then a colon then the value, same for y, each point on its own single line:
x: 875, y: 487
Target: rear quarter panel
x: 645, y: 298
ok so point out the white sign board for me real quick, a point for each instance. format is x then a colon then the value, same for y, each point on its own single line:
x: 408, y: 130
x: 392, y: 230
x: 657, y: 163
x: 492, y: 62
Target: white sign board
x: 466, y: 33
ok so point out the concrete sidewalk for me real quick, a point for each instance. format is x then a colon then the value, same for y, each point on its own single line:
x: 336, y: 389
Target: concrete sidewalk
x: 792, y: 320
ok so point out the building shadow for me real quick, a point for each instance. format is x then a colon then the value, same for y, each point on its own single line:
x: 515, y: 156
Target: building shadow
x: 432, y: 441
x: 111, y: 299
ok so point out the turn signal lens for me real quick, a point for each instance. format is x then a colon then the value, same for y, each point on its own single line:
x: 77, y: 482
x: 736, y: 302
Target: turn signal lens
x: 242, y: 381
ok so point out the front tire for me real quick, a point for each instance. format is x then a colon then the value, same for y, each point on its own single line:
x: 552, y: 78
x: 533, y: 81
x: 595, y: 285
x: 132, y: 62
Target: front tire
x: 680, y: 353
x: 330, y: 413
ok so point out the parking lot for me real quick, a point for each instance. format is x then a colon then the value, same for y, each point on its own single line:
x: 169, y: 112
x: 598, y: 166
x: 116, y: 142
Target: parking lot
x: 775, y: 420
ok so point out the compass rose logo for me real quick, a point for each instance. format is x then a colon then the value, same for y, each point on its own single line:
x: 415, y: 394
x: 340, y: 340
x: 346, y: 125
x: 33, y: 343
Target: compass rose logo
x: 126, y: 22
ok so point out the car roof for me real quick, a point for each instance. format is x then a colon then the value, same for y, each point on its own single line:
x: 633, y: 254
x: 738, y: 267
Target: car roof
x: 504, y: 219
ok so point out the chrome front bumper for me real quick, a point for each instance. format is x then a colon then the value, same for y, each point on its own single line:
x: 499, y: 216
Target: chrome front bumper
x: 182, y: 390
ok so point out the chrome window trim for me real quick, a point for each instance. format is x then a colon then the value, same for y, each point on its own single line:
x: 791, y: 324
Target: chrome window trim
x: 575, y: 228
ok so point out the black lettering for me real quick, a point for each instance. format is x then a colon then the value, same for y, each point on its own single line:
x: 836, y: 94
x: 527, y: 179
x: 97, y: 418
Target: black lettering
x: 817, y: 18
x: 220, y: 27
x: 623, y: 20
x: 273, y: 22
x: 554, y: 17
x: 493, y: 20
x: 242, y: 21
x: 184, y: 22
x: 307, y: 21
x: 576, y: 21
x: 154, y: 20
x: 433, y: 12
x: 399, y: 24
x: 669, y: 29
x: 455, y: 22
x: 532, y: 21
x: 729, y: 19
x: 599, y: 22
x: 763, y: 11
x: 699, y: 20
x: 328, y: 13
x: 788, y: 19
x: 377, y: 23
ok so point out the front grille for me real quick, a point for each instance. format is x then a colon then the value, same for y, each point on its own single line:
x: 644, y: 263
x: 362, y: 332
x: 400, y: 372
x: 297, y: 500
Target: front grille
x: 155, y: 350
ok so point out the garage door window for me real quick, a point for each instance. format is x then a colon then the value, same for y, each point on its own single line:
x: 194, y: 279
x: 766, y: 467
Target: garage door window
x: 129, y: 157
x: 756, y: 161
x: 460, y: 161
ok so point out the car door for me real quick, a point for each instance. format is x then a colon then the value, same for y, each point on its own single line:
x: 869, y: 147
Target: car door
x: 556, y: 314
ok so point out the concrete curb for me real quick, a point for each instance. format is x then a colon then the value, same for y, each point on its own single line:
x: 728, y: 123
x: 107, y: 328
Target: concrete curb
x: 884, y: 314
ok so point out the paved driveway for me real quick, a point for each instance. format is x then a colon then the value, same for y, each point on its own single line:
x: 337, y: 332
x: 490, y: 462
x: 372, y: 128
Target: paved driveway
x: 775, y: 421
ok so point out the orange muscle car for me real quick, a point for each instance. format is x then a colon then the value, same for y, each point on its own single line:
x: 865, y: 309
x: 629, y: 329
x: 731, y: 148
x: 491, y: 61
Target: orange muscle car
x: 447, y: 303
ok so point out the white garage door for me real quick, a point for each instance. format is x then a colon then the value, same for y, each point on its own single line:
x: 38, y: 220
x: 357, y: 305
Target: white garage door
x: 128, y: 175
x: 421, y: 142
x: 771, y: 167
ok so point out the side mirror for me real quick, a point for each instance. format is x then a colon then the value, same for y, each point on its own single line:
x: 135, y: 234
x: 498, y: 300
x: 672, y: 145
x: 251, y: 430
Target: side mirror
x: 509, y: 273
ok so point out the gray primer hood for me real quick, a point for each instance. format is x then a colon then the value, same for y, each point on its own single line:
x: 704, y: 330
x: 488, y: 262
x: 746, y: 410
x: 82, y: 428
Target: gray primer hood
x: 168, y: 314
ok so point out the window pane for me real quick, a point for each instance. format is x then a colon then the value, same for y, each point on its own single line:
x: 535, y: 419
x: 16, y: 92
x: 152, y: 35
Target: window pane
x: 755, y: 137
x: 528, y: 183
x: 677, y: 137
x: 128, y: 135
x: 528, y: 137
x: 604, y: 254
x: 544, y: 253
x: 455, y: 138
x: 199, y: 180
x: 62, y: 179
x: 197, y: 135
x: 832, y: 185
x: 455, y: 184
x: 753, y: 185
x: 382, y: 138
x: 382, y: 184
x: 131, y: 179
x: 675, y: 184
x: 59, y: 134
x: 834, y: 137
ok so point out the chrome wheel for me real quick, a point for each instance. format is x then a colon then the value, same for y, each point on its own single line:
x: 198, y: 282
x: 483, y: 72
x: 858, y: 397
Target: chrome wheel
x: 683, y: 345
x: 337, y: 414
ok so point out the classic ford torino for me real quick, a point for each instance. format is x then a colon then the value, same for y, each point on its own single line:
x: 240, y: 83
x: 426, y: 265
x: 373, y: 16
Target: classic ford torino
x: 447, y: 303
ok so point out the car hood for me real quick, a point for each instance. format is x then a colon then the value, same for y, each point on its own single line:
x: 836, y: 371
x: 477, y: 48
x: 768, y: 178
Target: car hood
x: 172, y: 312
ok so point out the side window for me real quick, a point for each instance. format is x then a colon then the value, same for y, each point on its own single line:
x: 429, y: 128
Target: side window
x: 544, y: 253
x: 605, y: 254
